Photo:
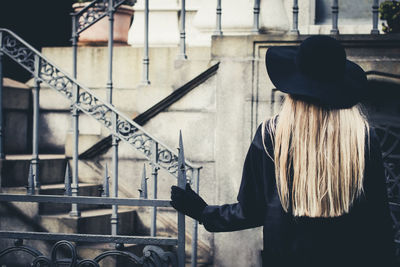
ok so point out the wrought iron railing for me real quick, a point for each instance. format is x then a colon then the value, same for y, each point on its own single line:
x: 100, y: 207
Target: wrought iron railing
x: 295, y: 17
x: 122, y: 128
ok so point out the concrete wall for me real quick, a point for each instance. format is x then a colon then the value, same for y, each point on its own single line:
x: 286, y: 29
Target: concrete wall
x: 245, y: 98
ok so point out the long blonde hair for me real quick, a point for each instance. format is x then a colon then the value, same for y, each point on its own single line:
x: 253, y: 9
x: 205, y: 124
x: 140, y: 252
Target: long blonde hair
x: 319, y: 157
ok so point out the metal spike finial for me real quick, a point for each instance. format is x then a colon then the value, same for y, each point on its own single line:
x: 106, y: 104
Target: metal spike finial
x: 67, y: 181
x: 31, y: 181
x: 106, y: 184
x: 181, y: 163
x: 143, y: 185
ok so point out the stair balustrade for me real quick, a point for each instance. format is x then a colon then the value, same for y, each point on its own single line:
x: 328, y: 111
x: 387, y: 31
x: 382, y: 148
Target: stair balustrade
x: 122, y: 128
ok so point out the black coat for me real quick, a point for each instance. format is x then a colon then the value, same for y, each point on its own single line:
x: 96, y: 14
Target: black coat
x: 363, y: 237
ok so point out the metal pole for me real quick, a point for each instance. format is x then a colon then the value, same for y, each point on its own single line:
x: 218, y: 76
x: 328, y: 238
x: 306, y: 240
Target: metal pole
x: 35, y: 134
x: 146, y: 61
x: 154, y: 173
x: 110, y: 49
x: 256, y: 17
x: 196, y: 179
x: 2, y: 155
x: 31, y: 183
x: 295, y: 27
x: 375, y: 17
x: 75, y: 123
x: 182, y: 53
x: 335, y: 16
x: 115, y: 141
x: 218, y: 30
x: 181, y: 216
x: 106, y: 186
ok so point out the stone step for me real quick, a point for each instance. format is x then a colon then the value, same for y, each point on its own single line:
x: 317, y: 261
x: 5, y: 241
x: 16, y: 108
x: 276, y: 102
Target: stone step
x: 96, y: 221
x: 58, y: 189
x: 15, y: 169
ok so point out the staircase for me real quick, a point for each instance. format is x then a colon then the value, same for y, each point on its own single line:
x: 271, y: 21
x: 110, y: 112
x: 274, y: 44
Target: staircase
x: 52, y: 178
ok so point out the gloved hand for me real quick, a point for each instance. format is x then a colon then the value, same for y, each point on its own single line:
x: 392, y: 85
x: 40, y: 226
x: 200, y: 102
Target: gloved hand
x: 187, y: 202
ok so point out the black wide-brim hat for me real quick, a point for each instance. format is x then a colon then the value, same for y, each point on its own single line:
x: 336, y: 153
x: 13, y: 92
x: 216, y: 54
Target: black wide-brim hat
x: 317, y: 71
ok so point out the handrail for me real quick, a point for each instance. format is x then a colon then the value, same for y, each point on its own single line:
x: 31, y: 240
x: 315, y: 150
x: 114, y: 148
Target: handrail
x: 91, y: 17
x: 127, y: 130
x: 104, y: 144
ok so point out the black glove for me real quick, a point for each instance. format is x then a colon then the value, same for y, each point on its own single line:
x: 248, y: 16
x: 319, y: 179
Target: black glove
x: 187, y: 202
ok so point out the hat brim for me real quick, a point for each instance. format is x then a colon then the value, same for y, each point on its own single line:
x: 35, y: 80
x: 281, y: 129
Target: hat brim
x: 343, y: 92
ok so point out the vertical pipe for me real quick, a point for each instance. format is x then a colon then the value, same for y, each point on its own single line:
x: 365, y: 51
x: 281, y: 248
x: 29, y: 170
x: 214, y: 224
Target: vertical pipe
x: 375, y: 17
x: 146, y: 61
x: 2, y: 155
x: 256, y: 17
x: 335, y: 17
x: 295, y: 25
x: 115, y: 140
x: 110, y: 49
x: 35, y: 134
x: 75, y: 121
x: 218, y: 30
x: 196, y: 180
x: 182, y: 53
x: 181, y: 216
x: 154, y: 173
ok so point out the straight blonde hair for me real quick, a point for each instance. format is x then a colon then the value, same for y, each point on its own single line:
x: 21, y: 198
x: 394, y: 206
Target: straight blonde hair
x: 319, y: 157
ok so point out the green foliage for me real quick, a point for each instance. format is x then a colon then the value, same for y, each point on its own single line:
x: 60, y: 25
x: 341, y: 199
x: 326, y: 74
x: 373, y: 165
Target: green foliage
x: 390, y: 11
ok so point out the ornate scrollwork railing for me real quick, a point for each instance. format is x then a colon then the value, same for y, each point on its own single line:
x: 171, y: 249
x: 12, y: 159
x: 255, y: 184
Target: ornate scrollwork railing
x: 152, y: 256
x: 92, y: 13
x: 127, y: 130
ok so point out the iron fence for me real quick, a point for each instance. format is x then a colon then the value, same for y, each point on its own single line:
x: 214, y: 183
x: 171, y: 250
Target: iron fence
x: 122, y: 128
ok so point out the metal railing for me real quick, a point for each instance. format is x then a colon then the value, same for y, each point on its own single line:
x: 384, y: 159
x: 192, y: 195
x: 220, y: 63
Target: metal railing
x: 82, y: 20
x: 295, y: 17
x: 122, y: 127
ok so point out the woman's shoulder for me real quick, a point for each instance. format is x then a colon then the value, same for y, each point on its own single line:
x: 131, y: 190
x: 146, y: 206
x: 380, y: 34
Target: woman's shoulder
x: 263, y: 138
